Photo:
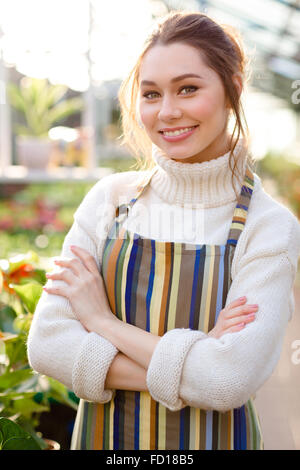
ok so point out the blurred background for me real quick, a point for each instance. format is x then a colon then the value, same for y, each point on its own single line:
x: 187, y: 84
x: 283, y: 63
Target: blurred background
x: 61, y: 65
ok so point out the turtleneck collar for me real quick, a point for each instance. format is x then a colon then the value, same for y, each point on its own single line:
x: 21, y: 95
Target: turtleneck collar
x: 207, y: 183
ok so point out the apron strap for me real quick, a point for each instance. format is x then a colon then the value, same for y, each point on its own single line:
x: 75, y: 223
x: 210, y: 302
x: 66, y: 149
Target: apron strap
x: 241, y: 209
x: 124, y: 209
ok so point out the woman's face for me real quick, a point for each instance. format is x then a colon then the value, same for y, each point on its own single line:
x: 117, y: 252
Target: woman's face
x: 169, y: 102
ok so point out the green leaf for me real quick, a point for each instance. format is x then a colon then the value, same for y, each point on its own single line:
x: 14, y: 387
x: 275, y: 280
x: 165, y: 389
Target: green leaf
x: 64, y: 109
x: 15, y: 97
x: 39, y: 276
x: 29, y: 293
x: 11, y: 379
x: 22, y: 323
x: 29, y: 426
x: 27, y: 406
x: 13, y: 437
x: 60, y: 393
x: 13, y: 395
x: 21, y: 443
x: 15, y: 348
x: 7, y: 317
x: 60, y: 388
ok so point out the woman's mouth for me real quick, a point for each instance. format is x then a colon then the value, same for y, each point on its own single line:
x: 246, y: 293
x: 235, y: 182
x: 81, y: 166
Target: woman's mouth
x: 180, y: 134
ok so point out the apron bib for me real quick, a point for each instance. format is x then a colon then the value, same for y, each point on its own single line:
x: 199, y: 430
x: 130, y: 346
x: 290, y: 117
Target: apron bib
x: 159, y: 286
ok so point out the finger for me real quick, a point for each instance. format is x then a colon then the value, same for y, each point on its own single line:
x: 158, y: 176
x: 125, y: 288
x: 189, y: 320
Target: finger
x: 57, y: 291
x: 66, y: 275
x: 233, y: 304
x: 87, y: 259
x: 240, y: 319
x: 74, y: 264
x: 241, y: 310
x: 236, y: 303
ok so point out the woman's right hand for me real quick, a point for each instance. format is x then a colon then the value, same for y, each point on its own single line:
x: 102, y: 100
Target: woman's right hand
x: 234, y: 317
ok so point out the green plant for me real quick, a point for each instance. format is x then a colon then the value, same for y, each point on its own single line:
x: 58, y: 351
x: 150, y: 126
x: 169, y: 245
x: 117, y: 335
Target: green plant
x: 41, y: 105
x: 13, y: 437
x: 24, y: 394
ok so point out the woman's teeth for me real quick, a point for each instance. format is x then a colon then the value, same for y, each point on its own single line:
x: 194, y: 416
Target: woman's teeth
x: 178, y: 132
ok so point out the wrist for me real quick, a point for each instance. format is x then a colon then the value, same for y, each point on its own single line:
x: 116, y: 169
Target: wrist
x: 125, y: 374
x: 102, y: 323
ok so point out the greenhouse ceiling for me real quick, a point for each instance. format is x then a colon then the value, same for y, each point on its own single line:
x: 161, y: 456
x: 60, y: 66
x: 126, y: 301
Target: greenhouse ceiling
x: 271, y: 32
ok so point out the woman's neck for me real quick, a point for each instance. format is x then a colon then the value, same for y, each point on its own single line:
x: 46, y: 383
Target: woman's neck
x: 208, y: 184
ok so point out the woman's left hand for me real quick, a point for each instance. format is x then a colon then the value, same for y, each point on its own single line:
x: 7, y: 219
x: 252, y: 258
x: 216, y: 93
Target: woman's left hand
x: 84, y: 288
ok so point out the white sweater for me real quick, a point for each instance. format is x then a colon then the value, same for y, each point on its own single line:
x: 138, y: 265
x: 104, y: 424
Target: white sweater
x: 187, y: 367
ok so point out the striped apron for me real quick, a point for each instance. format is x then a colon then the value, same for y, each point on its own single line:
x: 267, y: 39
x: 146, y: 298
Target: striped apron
x: 159, y: 286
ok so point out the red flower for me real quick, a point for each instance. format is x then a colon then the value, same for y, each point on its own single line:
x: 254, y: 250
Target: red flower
x: 24, y: 270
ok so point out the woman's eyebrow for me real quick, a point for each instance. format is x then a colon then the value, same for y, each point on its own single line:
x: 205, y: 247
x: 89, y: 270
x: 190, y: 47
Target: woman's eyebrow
x: 175, y: 79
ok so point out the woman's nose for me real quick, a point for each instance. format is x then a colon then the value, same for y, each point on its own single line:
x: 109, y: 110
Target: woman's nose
x: 169, y: 110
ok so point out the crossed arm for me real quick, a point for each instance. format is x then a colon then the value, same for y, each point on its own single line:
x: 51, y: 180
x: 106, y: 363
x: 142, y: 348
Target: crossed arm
x: 128, y: 369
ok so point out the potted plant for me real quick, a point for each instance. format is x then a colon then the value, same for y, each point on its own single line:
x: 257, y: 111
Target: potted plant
x: 24, y: 394
x: 41, y: 105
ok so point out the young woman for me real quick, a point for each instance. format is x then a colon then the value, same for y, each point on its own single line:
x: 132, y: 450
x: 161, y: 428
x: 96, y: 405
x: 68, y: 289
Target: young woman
x: 175, y: 285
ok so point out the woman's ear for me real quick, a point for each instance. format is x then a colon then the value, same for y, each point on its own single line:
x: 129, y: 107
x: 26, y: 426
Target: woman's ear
x: 238, y: 82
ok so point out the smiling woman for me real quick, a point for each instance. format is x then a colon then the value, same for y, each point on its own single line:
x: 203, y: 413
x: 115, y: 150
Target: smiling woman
x: 215, y: 72
x: 170, y: 312
x: 189, y: 108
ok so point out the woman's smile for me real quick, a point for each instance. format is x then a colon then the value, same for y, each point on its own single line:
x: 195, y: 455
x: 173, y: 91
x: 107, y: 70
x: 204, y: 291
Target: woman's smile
x: 180, y: 134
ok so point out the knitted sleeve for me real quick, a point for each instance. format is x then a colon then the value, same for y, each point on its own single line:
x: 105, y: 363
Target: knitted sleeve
x: 58, y: 345
x: 222, y: 374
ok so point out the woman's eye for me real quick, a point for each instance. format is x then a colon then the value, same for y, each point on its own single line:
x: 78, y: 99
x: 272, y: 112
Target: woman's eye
x: 193, y: 88
x: 190, y: 88
x: 146, y: 95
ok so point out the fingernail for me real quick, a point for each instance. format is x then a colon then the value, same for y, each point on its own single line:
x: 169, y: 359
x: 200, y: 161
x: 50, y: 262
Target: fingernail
x: 242, y: 298
x: 253, y: 305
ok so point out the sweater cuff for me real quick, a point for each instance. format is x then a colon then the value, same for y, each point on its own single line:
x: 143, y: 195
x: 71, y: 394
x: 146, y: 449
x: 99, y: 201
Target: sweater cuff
x: 165, y: 368
x: 90, y: 368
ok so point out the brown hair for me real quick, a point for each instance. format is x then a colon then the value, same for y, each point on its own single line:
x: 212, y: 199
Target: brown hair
x: 220, y: 46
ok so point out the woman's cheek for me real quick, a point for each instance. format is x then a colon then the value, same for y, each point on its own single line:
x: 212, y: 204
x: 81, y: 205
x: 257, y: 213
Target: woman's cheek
x: 205, y: 108
x: 146, y: 115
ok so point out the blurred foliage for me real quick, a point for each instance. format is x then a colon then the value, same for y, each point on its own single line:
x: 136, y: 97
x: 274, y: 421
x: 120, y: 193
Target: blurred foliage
x: 41, y: 105
x: 119, y: 164
x: 24, y: 394
x: 286, y: 176
x: 40, y: 215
